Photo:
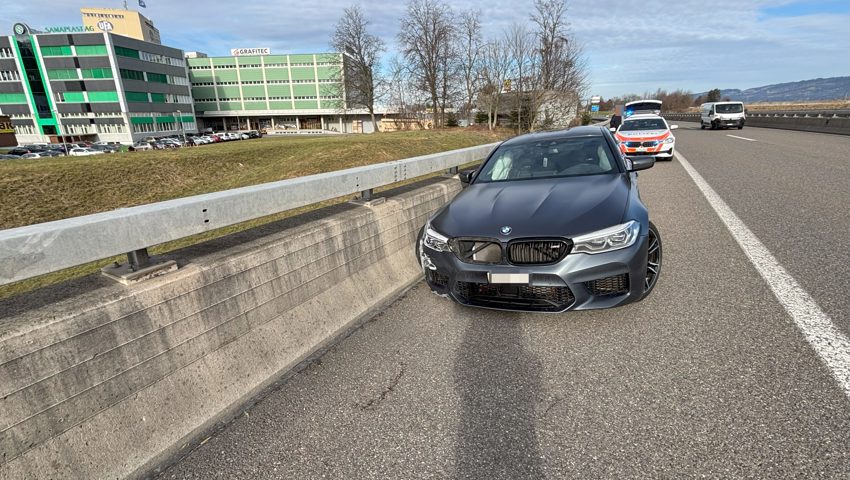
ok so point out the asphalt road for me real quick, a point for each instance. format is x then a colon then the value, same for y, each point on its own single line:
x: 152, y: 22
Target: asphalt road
x: 709, y: 376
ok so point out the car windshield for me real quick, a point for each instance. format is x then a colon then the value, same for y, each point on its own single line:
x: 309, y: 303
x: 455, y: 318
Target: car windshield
x: 729, y: 108
x: 555, y: 158
x: 643, y: 124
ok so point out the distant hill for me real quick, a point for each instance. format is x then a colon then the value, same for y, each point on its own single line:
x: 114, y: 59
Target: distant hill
x: 806, y: 90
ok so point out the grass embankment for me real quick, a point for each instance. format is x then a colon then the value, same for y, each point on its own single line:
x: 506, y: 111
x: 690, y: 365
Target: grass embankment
x: 42, y: 190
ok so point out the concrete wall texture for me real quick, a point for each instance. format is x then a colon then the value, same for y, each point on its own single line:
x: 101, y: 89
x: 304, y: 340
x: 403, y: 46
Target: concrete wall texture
x: 110, y: 386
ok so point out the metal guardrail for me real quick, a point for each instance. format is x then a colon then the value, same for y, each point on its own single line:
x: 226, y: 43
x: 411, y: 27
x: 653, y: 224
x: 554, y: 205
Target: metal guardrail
x: 26, y: 252
x: 777, y: 113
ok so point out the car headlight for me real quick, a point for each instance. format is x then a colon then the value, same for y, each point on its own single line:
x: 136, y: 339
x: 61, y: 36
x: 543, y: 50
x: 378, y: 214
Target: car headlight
x: 613, y: 238
x: 435, y: 240
x: 669, y: 139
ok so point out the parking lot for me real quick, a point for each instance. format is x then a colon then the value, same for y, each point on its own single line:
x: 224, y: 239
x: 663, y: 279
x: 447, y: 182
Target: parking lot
x: 712, y: 375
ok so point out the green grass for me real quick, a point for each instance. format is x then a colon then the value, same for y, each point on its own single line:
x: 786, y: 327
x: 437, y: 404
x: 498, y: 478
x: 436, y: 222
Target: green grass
x: 42, y: 190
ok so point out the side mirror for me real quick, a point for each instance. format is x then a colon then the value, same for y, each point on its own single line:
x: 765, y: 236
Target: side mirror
x: 673, y: 127
x: 466, y: 177
x: 640, y: 163
x: 613, y: 129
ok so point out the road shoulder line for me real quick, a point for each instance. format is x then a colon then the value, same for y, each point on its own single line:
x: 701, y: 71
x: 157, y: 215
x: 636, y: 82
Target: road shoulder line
x: 829, y: 343
x: 741, y: 138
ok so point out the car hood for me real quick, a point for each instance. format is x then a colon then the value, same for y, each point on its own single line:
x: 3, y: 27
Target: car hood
x: 559, y: 207
x: 642, y: 133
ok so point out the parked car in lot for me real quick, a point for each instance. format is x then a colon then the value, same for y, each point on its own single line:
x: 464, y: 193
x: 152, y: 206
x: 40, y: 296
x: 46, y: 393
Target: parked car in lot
x: 722, y: 115
x: 84, y: 152
x: 254, y: 134
x: 646, y: 134
x: 5, y: 156
x: 51, y: 153
x: 33, y: 155
x: 18, y: 151
x: 142, y: 146
x: 550, y: 222
x: 106, y: 148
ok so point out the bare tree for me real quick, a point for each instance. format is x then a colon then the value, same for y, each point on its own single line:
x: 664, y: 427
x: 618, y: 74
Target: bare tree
x: 519, y: 42
x: 469, y: 31
x: 426, y: 38
x: 561, y: 74
x: 361, y: 51
x: 495, y: 64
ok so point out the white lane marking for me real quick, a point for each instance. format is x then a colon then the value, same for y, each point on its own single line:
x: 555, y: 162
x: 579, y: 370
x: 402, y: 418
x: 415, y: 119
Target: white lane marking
x: 742, y: 138
x: 829, y: 343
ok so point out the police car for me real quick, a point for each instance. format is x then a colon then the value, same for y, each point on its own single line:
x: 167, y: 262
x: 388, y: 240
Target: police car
x: 646, y: 134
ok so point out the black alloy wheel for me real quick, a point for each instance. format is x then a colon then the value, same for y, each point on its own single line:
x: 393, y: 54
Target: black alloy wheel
x: 653, y: 260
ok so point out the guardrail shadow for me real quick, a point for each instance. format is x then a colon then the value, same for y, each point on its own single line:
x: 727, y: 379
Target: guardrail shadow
x: 497, y: 380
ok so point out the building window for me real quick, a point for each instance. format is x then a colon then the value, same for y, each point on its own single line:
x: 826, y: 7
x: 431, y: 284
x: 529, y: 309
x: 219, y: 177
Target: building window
x: 90, y: 50
x: 58, y: 51
x: 157, y: 98
x: 111, y: 128
x: 143, y: 128
x: 157, y: 77
x: 74, y: 129
x: 71, y: 97
x: 63, y: 74
x: 24, y: 130
x: 96, y: 73
x: 126, y: 52
x: 137, y: 97
x: 178, y: 80
x: 5, y: 52
x: 132, y: 74
x: 12, y: 98
x: 103, y: 97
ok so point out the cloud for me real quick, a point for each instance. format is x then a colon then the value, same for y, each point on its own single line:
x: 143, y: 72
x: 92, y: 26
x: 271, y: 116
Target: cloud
x: 630, y: 47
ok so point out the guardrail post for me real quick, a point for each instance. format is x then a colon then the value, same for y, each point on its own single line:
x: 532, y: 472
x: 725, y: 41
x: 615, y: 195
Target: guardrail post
x: 452, y: 171
x: 138, y: 259
x: 139, y: 267
x: 366, y: 195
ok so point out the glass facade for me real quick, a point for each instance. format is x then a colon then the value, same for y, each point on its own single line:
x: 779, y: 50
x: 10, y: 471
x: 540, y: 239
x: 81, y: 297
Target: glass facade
x: 274, y: 83
x: 73, y: 86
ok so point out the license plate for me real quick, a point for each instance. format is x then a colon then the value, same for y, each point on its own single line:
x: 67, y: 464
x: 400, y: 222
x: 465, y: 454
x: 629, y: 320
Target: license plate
x: 508, y: 278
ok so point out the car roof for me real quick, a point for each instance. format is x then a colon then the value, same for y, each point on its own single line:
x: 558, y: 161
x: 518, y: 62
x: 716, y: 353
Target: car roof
x: 583, y: 131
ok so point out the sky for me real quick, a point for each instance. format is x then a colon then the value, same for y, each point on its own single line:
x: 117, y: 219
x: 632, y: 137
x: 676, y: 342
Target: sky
x: 630, y: 47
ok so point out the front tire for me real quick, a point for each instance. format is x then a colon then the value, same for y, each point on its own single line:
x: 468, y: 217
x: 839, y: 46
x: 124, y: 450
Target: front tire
x: 701, y: 126
x: 653, y: 260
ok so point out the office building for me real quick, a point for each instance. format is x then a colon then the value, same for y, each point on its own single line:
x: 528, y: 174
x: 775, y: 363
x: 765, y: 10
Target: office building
x: 128, y: 23
x: 275, y: 93
x: 92, y: 86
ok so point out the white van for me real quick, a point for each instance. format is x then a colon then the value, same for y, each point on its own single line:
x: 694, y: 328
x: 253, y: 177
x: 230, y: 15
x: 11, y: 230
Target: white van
x: 722, y: 115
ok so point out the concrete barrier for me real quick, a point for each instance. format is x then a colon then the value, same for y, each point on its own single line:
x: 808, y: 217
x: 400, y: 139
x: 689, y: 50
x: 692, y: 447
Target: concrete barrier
x: 811, y: 123
x: 110, y: 381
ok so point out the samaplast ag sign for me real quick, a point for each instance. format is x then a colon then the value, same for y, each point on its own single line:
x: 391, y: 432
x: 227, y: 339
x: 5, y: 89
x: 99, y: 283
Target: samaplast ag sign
x: 70, y: 29
x: 250, y: 51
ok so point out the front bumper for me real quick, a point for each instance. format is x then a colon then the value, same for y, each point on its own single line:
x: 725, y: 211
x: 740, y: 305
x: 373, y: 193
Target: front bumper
x: 736, y: 122
x: 578, y: 282
x: 662, y: 150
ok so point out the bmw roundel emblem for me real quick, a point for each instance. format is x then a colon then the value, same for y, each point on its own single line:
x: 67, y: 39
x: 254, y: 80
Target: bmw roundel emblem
x: 505, y: 230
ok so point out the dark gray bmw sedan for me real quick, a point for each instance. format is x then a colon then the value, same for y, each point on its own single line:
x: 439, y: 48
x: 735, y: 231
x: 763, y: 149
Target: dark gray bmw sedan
x: 549, y: 222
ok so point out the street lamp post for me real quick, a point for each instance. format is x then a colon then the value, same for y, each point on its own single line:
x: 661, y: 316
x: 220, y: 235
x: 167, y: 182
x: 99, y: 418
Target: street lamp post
x: 61, y: 131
